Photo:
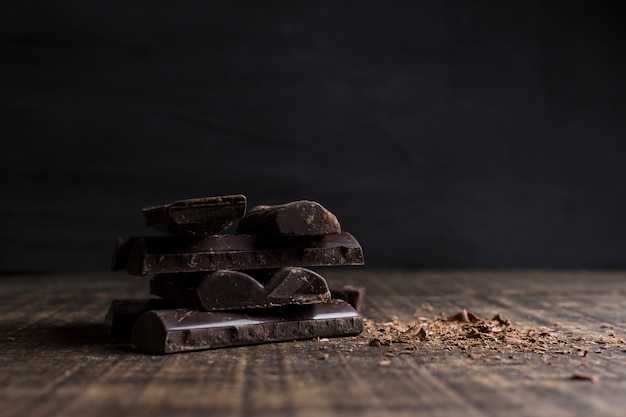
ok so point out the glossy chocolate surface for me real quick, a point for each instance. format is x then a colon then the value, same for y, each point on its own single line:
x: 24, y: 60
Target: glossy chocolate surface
x: 227, y: 290
x: 181, y: 330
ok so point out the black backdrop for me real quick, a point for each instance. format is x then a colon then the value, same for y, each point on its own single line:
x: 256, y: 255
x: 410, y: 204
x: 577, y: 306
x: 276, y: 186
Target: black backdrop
x: 443, y: 134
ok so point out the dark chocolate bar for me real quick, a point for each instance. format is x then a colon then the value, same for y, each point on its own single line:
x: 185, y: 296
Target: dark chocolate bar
x: 348, y: 293
x: 170, y: 331
x: 171, y: 254
x: 298, y: 218
x: 123, y: 313
x: 196, y: 217
x: 228, y: 290
x: 121, y: 252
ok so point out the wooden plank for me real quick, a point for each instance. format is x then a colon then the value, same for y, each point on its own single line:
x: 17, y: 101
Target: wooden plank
x: 55, y: 358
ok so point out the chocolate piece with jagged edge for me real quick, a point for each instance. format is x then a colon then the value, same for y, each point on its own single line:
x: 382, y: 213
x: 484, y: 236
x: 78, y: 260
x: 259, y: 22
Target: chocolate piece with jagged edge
x: 121, y: 252
x: 232, y: 290
x: 181, y: 330
x: 123, y: 313
x: 348, y: 293
x: 298, y: 218
x: 171, y: 254
x: 197, y: 217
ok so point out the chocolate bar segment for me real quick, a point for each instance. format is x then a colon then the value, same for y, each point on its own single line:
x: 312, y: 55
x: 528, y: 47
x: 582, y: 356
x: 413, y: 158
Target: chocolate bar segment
x: 196, y: 217
x: 170, y: 254
x: 170, y: 331
x: 298, y: 218
x: 121, y: 252
x: 348, y: 293
x: 228, y: 290
x: 123, y: 313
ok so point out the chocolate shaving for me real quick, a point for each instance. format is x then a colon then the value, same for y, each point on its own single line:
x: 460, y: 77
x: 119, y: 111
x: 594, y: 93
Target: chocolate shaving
x: 494, y: 339
x: 464, y: 317
x: 585, y: 377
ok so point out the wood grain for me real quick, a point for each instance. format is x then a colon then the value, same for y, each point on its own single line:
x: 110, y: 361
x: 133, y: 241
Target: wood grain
x: 56, y: 360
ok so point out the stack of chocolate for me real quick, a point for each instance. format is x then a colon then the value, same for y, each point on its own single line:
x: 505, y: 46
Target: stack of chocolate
x: 219, y: 289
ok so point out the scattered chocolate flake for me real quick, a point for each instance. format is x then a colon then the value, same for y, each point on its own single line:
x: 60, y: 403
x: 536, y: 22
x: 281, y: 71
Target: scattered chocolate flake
x: 607, y: 340
x: 464, y: 317
x: 585, y: 377
x: 502, y: 321
x: 512, y: 340
x: 375, y: 343
x: 468, y: 333
x: 421, y: 335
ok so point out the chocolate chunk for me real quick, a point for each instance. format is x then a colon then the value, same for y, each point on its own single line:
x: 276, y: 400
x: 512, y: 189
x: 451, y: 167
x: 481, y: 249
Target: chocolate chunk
x: 170, y: 254
x: 170, y: 331
x: 228, y: 290
x: 123, y: 313
x: 121, y: 252
x: 348, y: 293
x: 298, y: 218
x: 196, y: 217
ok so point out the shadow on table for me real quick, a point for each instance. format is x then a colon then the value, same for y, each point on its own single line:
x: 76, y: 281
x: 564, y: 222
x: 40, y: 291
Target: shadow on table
x: 70, y: 336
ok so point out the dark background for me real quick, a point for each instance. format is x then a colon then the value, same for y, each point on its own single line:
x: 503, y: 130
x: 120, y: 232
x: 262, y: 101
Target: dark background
x: 443, y: 134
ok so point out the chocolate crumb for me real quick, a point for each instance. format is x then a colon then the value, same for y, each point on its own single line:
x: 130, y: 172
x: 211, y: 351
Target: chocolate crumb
x: 464, y: 317
x: 421, y: 335
x: 513, y: 340
x: 466, y: 332
x: 608, y: 340
x: 585, y: 377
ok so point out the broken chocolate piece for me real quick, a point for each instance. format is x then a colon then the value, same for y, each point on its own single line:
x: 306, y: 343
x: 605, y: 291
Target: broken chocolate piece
x: 464, y: 316
x: 298, y: 218
x: 123, y: 313
x: 170, y: 254
x: 348, y: 293
x: 197, y: 217
x: 170, y: 331
x: 121, y: 252
x: 228, y: 290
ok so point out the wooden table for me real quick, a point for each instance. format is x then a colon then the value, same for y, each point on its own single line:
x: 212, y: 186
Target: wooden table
x: 56, y: 360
